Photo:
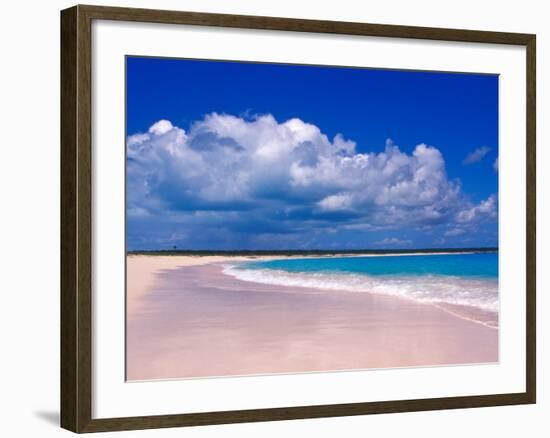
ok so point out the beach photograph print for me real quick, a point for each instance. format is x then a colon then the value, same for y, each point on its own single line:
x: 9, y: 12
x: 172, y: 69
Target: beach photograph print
x: 287, y: 219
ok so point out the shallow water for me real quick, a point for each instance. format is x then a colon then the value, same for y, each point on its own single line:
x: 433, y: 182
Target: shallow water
x: 459, y: 279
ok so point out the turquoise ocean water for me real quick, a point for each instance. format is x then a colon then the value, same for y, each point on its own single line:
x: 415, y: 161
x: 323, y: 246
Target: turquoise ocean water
x: 466, y: 279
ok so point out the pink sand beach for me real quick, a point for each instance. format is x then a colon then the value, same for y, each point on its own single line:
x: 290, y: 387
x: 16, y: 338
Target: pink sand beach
x: 187, y: 319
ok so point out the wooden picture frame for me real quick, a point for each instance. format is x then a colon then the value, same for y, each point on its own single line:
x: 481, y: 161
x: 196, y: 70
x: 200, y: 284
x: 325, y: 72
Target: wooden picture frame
x: 76, y: 218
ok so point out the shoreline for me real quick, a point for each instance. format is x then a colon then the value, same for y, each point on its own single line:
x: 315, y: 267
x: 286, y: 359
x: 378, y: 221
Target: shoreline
x: 183, y: 313
x: 309, y: 253
x: 143, y: 279
x: 481, y: 315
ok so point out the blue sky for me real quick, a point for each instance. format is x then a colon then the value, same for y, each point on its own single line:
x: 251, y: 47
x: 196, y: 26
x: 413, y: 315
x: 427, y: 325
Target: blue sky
x: 224, y: 155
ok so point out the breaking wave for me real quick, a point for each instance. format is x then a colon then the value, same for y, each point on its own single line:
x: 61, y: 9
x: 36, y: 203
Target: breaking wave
x: 480, y: 293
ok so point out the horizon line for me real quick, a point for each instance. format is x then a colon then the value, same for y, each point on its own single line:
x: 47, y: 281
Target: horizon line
x: 311, y: 251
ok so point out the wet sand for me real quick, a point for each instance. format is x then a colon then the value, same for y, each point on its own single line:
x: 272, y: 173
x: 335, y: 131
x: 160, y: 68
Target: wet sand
x: 187, y: 319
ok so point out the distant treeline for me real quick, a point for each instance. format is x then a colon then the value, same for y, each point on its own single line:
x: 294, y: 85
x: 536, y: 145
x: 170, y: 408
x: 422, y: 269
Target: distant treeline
x: 269, y: 252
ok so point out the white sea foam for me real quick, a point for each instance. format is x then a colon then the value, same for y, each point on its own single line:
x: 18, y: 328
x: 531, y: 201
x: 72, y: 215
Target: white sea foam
x: 479, y: 293
x: 398, y: 254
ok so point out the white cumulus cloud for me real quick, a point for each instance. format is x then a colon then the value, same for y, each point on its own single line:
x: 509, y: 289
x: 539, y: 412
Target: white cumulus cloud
x: 476, y: 155
x: 161, y: 127
x: 487, y: 208
x: 341, y: 201
x: 282, y: 177
x: 393, y: 241
x: 455, y: 232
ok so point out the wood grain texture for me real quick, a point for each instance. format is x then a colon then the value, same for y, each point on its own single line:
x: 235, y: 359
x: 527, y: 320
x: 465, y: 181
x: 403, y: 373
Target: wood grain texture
x: 69, y: 311
x: 531, y: 250
x: 76, y: 222
x: 303, y: 412
x: 299, y: 25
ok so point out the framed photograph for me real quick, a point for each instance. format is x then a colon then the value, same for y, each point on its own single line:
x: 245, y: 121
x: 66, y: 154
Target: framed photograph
x: 270, y: 218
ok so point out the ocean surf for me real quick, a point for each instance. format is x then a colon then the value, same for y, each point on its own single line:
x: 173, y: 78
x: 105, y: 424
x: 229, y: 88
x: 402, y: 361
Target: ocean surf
x: 469, y: 279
